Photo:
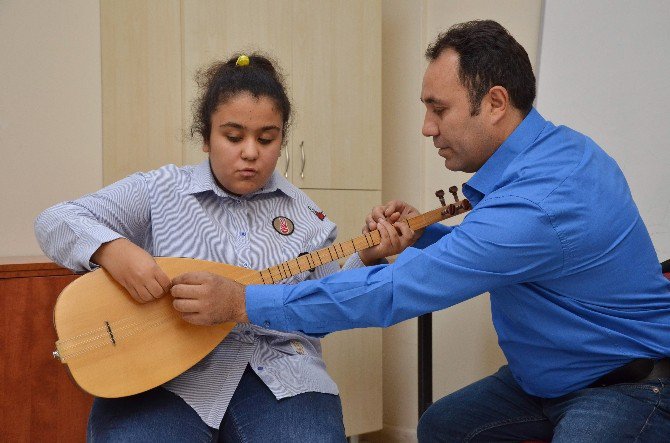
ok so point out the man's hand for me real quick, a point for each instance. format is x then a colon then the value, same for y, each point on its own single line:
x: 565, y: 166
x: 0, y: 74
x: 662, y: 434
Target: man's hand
x: 134, y: 268
x: 204, y: 298
x: 396, y: 234
x: 392, y: 212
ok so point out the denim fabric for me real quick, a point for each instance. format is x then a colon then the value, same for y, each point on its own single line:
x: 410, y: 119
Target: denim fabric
x: 497, y: 409
x: 157, y: 415
x: 254, y: 415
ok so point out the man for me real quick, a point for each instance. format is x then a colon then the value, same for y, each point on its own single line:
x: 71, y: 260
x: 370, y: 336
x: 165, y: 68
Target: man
x: 580, y: 306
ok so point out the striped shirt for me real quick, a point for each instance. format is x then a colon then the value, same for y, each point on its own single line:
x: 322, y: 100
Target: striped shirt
x: 182, y: 212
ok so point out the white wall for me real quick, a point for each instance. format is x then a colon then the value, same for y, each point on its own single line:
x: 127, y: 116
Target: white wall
x: 604, y: 70
x: 50, y: 111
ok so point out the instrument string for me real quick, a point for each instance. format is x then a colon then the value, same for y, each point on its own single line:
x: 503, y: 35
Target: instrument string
x: 101, y: 331
x: 122, y: 328
x: 107, y: 342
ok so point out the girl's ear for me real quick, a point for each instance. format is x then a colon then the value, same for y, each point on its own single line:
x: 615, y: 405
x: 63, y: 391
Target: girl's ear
x: 205, y: 147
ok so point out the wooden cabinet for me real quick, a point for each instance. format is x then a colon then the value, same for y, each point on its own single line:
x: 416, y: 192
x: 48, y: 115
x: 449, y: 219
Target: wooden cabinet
x: 38, y: 400
x: 353, y: 358
x: 213, y: 30
x: 141, y: 86
x: 336, y: 72
x: 347, y: 208
x: 330, y: 52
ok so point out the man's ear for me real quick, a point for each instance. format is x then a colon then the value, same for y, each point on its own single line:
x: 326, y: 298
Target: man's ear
x: 500, y: 104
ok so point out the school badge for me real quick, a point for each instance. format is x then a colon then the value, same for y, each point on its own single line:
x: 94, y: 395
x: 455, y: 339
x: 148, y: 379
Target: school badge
x: 283, y: 225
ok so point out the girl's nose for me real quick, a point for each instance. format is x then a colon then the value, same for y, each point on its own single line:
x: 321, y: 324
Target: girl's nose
x: 250, y: 150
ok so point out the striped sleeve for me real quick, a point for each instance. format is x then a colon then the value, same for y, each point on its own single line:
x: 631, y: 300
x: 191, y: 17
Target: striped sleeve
x: 69, y: 233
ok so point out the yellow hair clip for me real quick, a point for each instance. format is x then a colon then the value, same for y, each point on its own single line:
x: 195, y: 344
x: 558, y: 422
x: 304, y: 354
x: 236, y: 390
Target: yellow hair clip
x: 242, y: 60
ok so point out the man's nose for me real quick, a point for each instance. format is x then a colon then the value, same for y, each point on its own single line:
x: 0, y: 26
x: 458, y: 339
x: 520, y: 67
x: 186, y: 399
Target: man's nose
x: 430, y: 128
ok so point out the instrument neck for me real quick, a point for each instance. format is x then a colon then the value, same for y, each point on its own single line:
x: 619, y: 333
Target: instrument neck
x: 337, y: 251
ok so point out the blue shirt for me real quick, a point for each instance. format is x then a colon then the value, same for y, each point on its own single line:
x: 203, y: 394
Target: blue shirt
x: 554, y: 236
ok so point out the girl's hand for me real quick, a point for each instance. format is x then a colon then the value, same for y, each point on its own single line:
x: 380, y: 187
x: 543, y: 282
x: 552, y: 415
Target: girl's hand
x: 134, y: 269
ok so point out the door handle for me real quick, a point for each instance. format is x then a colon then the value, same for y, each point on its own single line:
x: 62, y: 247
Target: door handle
x: 302, y: 156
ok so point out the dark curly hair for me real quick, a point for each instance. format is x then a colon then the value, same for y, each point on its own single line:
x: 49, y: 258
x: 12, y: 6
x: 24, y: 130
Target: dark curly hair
x: 221, y: 81
x: 489, y: 56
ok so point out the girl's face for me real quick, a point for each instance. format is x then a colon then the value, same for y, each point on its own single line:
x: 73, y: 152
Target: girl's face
x: 245, y: 142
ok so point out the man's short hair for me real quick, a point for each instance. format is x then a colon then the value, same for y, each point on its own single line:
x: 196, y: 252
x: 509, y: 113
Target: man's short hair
x: 489, y: 56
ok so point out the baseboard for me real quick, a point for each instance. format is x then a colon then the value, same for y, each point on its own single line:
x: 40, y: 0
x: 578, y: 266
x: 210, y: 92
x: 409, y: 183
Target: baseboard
x: 391, y: 434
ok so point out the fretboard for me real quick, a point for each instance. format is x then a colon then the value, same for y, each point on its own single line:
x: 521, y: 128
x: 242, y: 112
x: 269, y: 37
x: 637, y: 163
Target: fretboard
x: 337, y: 251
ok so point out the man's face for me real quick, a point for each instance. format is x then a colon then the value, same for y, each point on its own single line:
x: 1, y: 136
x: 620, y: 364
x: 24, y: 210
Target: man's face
x: 464, y: 141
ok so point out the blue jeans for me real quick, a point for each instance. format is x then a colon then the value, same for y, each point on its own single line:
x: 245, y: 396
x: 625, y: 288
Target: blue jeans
x: 497, y: 409
x: 254, y: 415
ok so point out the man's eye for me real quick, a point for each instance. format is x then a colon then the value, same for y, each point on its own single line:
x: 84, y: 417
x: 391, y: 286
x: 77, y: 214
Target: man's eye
x: 438, y: 111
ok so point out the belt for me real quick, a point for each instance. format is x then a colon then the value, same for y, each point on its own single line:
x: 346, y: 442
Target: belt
x: 636, y: 371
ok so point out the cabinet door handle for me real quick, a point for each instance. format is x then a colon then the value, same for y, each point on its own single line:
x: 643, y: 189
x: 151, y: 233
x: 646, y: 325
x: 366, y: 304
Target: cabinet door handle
x: 288, y: 161
x: 302, y: 156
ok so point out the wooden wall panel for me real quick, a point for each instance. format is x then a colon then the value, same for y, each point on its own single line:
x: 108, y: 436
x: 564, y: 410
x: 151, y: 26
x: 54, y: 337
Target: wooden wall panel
x: 141, y: 86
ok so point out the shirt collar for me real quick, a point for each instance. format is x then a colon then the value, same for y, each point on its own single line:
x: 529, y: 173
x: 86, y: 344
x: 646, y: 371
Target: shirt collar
x: 486, y: 178
x: 203, y: 180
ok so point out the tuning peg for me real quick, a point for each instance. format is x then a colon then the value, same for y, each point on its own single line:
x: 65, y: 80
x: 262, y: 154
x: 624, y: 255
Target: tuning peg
x: 440, y: 194
x: 453, y: 190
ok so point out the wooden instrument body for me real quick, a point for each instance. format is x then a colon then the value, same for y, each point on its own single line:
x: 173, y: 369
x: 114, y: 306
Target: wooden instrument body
x: 115, y: 346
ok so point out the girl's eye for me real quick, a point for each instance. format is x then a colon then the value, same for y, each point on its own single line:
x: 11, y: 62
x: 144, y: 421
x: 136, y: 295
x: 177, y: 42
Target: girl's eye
x: 233, y: 139
x: 265, y: 141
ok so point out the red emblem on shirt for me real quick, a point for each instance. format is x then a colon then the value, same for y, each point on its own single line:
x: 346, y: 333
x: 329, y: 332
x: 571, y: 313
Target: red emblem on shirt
x: 319, y: 214
x: 283, y: 225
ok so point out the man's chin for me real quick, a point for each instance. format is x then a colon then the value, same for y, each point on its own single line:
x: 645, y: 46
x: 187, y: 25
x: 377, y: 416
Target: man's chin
x: 451, y: 165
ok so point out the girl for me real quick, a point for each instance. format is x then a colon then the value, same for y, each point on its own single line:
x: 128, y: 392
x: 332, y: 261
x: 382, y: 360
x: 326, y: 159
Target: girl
x: 258, y: 384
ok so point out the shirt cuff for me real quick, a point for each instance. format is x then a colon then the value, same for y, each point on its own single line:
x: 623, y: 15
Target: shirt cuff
x: 87, y: 238
x: 353, y: 262
x: 90, y: 243
x: 265, y: 306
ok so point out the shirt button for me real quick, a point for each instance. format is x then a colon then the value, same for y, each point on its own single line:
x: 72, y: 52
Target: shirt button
x: 656, y: 390
x: 266, y: 324
x: 243, y: 234
x: 260, y: 368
